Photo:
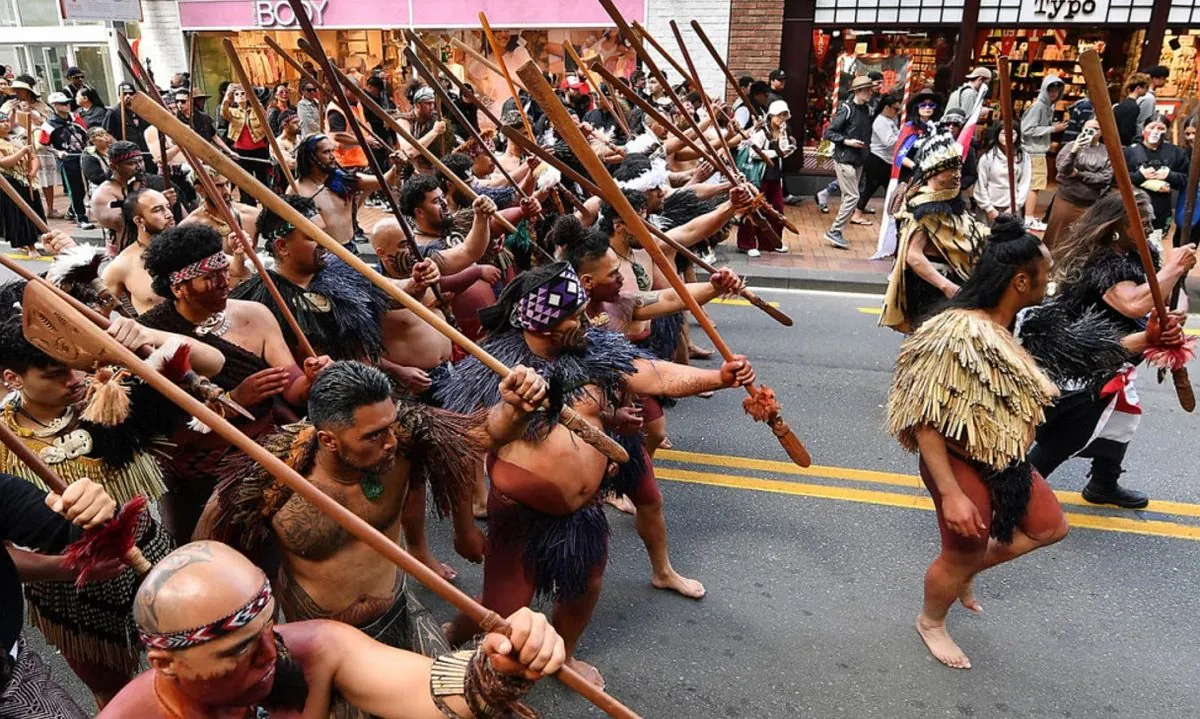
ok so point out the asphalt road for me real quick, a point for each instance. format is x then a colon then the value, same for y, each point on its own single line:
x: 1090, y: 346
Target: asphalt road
x: 814, y: 578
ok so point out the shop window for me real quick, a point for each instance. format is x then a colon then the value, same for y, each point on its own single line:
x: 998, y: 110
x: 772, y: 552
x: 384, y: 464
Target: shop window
x: 35, y: 13
x: 8, y: 13
x: 869, y: 12
x: 93, y: 60
x: 1179, y: 53
x: 1184, y: 12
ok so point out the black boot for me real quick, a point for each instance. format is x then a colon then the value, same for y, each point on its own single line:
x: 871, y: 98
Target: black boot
x: 1102, y: 488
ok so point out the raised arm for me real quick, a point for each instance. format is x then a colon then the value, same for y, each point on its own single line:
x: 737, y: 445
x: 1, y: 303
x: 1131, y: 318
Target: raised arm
x: 648, y: 305
x: 668, y: 379
x: 468, y: 252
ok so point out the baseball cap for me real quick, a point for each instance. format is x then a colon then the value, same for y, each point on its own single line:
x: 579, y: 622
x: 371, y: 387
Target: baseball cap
x: 74, y: 72
x: 1158, y: 71
x: 875, y: 76
x: 777, y: 75
x: 779, y: 107
x: 58, y: 98
x: 979, y: 72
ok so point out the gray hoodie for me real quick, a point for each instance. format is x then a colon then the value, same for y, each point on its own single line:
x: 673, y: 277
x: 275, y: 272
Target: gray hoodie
x: 1038, y: 120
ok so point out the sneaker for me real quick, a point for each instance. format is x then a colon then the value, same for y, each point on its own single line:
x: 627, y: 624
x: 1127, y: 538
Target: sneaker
x: 753, y: 253
x: 709, y: 256
x: 836, y: 239
x: 822, y: 199
x: 793, y: 200
x: 782, y: 249
x: 86, y: 226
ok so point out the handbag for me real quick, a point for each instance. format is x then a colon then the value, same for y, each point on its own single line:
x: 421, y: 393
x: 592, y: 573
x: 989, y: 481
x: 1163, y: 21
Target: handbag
x: 750, y: 165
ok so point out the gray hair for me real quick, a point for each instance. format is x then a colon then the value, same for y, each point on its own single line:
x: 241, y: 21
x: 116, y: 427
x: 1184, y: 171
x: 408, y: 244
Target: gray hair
x: 341, y: 389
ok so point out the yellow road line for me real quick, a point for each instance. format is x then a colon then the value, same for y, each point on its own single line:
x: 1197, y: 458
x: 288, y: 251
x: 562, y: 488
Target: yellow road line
x: 737, y: 302
x: 912, y: 481
x: 1126, y: 525
x: 1193, y: 332
x: 871, y: 310
x: 23, y: 256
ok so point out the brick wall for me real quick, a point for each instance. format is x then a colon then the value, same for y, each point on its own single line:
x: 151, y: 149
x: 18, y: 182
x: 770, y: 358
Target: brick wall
x: 713, y: 16
x: 755, y: 32
x: 162, y: 40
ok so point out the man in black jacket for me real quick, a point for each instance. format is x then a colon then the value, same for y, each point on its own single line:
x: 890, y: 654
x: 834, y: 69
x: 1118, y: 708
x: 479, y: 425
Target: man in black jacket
x: 849, y: 131
x: 68, y: 138
x: 27, y: 690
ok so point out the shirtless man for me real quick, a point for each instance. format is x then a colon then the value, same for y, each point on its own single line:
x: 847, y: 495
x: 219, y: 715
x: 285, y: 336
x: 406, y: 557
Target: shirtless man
x: 363, y: 449
x: 611, y: 308
x: 126, y: 164
x: 147, y: 214
x: 544, y: 498
x: 243, y: 664
x: 335, y: 190
x: 206, y: 213
x: 188, y: 265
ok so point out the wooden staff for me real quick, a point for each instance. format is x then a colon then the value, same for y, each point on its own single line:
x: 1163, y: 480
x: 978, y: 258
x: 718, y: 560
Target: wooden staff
x: 595, y: 85
x: 408, y: 137
x: 1006, y: 115
x: 708, y: 106
x: 760, y: 404
x: 716, y: 56
x: 426, y: 73
x: 647, y: 37
x: 60, y: 316
x: 1093, y: 72
x: 477, y: 57
x: 260, y: 113
x: 192, y: 83
x: 499, y: 53
x: 587, y: 185
x: 317, y: 52
x: 148, y: 109
x: 121, y: 102
x: 1183, y: 384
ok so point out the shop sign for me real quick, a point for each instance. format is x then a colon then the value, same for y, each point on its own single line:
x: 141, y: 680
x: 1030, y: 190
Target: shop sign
x: 1061, y: 11
x: 126, y: 10
x: 279, y: 13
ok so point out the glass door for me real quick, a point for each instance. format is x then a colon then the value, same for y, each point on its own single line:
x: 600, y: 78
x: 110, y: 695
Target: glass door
x: 94, y: 61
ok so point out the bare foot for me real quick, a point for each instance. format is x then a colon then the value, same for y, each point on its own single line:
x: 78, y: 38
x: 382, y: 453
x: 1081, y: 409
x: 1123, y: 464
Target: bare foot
x: 689, y: 588
x: 967, y: 597
x: 589, y: 672
x: 426, y: 557
x: 621, y: 503
x: 32, y: 253
x: 699, y: 353
x: 940, y: 645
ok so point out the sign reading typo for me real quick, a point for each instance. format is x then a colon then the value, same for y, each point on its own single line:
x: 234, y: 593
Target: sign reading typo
x: 1073, y: 11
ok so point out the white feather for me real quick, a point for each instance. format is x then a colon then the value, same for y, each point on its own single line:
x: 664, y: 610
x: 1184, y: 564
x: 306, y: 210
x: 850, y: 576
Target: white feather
x: 643, y: 143
x: 199, y: 427
x: 70, y: 260
x: 549, y: 178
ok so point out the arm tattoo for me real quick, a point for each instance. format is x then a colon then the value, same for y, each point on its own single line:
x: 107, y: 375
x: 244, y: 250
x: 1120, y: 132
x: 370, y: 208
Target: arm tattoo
x: 646, y: 299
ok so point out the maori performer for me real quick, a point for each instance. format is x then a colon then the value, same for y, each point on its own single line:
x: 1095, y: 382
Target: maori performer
x: 32, y: 519
x: 613, y: 309
x: 366, y: 450
x: 73, y: 422
x: 335, y: 190
x: 547, y: 533
x: 187, y: 265
x: 207, y: 213
x: 939, y: 240
x: 206, y: 615
x: 147, y: 214
x: 1099, y: 271
x: 967, y: 399
x: 126, y: 168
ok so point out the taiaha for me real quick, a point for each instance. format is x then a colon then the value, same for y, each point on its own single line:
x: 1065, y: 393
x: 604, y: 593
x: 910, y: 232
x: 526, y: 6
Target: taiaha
x: 762, y: 404
x: 587, y: 185
x: 499, y: 53
x: 192, y: 82
x: 317, y: 52
x: 1184, y: 237
x: 226, y: 212
x: 708, y: 106
x: 260, y: 113
x: 148, y: 109
x: 366, y: 101
x: 1172, y: 358
x: 755, y: 119
x: 1006, y: 112
x: 115, y: 539
x: 479, y: 58
x: 68, y: 337
x: 306, y: 75
x: 595, y: 85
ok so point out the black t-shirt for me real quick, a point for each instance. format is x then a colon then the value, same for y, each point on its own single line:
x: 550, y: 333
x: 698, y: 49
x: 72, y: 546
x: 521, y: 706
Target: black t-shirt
x: 27, y: 522
x: 337, y: 121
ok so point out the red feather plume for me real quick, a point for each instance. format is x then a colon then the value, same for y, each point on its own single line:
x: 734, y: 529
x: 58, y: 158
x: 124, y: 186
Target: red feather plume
x: 178, y: 365
x: 1171, y: 357
x: 111, y: 541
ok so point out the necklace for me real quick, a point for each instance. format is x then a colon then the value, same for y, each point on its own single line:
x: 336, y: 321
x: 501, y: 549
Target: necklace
x: 372, y: 487
x: 216, y: 325
x: 644, y: 281
x: 51, y: 428
x: 221, y: 226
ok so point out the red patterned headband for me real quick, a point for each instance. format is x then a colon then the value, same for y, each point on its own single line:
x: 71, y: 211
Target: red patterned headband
x: 212, y: 263
x: 207, y: 633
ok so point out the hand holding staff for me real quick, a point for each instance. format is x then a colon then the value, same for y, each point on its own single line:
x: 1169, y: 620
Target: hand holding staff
x: 57, y: 319
x: 761, y: 404
x: 1172, y: 358
x: 1006, y: 113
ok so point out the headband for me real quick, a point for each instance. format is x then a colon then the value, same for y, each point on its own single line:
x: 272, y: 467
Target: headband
x: 286, y: 228
x: 550, y: 303
x: 226, y: 625
x: 124, y: 155
x: 216, y: 261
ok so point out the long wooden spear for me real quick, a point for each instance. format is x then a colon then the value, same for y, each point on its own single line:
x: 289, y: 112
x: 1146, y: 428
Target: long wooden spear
x: 479, y: 58
x: 595, y: 85
x: 1006, y: 115
x: 1093, y: 72
x: 547, y: 157
x: 154, y: 113
x: 317, y: 52
x: 58, y: 321
x: 260, y: 113
x: 499, y: 53
x: 1183, y: 383
x: 223, y: 209
x: 761, y: 404
x: 708, y: 106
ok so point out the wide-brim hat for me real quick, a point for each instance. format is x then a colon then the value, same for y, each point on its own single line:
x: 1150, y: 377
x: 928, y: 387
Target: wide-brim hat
x: 20, y: 85
x: 862, y: 82
x: 925, y: 95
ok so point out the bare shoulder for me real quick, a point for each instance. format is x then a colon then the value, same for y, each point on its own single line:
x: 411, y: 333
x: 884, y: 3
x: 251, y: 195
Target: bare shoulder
x: 251, y: 313
x: 116, y: 270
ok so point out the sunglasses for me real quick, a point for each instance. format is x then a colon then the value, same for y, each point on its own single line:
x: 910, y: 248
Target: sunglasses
x: 928, y: 106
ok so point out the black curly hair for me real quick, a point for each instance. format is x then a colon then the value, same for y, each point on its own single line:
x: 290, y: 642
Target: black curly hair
x: 269, y: 223
x: 413, y: 193
x: 175, y: 249
x: 608, y: 214
x: 1011, y: 249
x: 16, y: 352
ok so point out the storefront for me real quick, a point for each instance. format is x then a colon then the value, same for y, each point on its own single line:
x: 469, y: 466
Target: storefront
x: 37, y: 40
x: 360, y: 35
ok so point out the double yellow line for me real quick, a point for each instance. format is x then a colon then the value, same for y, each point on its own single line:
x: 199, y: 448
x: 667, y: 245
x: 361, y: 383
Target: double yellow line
x: 845, y: 484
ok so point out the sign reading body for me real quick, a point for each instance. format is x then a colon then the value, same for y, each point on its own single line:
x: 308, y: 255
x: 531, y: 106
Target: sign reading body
x: 1060, y: 11
x: 279, y: 13
x: 123, y: 10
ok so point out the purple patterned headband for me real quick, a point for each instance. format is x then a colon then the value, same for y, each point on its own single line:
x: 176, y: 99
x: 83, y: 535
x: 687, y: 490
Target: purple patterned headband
x: 224, y: 626
x: 216, y: 261
x: 550, y: 303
